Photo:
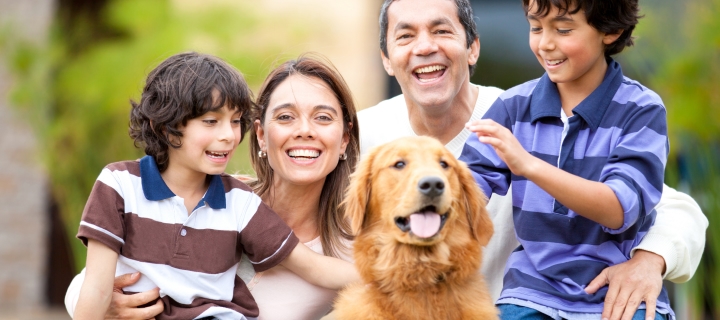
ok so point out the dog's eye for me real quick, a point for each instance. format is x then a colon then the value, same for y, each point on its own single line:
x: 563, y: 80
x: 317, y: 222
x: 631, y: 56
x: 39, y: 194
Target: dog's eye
x: 399, y: 165
x: 443, y: 164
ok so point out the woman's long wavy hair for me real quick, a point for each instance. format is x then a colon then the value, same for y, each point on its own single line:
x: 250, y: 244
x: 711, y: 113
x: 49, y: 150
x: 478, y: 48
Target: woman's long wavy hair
x: 333, y: 227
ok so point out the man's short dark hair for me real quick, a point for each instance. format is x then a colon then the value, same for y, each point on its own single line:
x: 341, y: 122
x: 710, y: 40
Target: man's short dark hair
x: 607, y: 16
x: 465, y: 14
x: 183, y: 87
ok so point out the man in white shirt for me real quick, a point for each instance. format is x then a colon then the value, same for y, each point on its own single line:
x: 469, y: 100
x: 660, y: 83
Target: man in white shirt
x: 431, y: 47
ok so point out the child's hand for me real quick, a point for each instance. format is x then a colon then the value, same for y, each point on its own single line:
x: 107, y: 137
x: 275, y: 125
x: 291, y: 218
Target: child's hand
x: 507, y: 147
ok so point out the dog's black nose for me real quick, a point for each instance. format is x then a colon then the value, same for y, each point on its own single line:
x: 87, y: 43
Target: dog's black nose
x: 431, y: 186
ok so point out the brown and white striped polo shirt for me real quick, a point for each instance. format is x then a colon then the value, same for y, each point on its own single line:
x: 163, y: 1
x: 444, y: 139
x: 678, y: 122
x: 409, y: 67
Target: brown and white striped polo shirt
x: 192, y: 259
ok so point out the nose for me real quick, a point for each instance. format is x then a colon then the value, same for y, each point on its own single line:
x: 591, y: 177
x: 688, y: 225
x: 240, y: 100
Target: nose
x: 305, y: 129
x: 425, y: 45
x: 546, y: 42
x: 227, y: 132
x: 431, y: 186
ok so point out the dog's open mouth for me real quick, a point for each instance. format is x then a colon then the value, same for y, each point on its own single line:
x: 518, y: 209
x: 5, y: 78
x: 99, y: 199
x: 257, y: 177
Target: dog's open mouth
x: 425, y: 223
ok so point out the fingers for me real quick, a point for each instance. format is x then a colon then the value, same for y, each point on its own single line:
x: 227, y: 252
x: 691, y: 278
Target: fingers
x: 125, y: 280
x: 484, y: 127
x: 632, y: 304
x: 126, y: 306
x: 138, y: 299
x: 600, y: 281
x: 609, y: 306
x: 650, y: 308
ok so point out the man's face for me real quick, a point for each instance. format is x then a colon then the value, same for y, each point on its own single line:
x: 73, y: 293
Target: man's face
x: 427, y: 51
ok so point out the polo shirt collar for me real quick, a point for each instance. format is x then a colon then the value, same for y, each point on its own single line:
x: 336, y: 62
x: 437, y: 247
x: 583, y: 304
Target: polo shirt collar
x: 155, y: 189
x: 545, y: 100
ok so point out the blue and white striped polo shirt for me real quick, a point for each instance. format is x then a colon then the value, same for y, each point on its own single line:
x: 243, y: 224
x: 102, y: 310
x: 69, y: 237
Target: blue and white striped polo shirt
x: 618, y: 136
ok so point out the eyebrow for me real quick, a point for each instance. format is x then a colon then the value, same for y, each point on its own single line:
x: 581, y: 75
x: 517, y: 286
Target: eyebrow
x: 318, y: 107
x: 433, y: 23
x: 563, y: 18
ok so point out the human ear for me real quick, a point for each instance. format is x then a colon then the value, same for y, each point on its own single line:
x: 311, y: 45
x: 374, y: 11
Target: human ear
x: 474, y: 52
x: 609, y: 38
x: 260, y: 134
x: 386, y: 64
x: 346, y: 138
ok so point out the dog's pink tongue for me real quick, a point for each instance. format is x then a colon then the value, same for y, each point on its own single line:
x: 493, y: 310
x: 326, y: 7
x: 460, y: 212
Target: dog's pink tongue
x: 425, y: 224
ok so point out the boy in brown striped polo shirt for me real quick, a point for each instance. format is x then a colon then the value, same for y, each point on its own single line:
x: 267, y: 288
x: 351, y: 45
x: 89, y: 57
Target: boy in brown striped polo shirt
x: 176, y: 217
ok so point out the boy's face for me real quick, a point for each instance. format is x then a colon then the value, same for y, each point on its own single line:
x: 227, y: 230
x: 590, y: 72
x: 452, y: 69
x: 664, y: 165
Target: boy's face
x: 208, y: 142
x: 427, y: 51
x: 570, y: 50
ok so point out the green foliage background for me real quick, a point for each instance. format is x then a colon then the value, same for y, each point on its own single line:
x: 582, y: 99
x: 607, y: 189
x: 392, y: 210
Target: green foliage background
x: 678, y: 56
x: 78, y: 92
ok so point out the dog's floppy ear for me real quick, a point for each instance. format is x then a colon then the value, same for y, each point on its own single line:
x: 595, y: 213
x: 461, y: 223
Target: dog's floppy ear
x: 475, y: 202
x: 358, y: 193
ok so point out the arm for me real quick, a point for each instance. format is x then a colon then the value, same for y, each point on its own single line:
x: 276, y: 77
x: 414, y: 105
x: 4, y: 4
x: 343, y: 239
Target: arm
x: 97, y: 288
x: 590, y: 199
x: 673, y: 248
x: 327, y: 272
x: 122, y: 306
x: 678, y: 235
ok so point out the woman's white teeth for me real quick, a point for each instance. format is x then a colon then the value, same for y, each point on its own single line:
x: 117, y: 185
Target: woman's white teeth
x: 216, y: 154
x: 304, y: 153
x: 429, y: 69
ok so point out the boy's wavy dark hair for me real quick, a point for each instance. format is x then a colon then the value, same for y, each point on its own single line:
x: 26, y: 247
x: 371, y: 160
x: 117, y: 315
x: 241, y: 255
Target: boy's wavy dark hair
x: 608, y: 16
x: 183, y: 87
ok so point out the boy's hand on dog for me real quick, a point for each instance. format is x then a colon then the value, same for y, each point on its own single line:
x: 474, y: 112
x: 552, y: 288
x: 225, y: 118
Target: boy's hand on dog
x: 124, y: 306
x: 630, y: 283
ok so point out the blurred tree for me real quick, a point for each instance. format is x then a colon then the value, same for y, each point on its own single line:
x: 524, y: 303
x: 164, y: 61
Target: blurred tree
x: 77, y: 90
x: 678, y: 56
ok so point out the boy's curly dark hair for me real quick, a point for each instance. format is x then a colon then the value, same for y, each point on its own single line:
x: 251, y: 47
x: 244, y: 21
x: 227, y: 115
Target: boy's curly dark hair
x: 608, y: 16
x: 183, y: 87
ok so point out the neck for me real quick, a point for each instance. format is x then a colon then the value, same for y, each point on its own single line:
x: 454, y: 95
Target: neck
x: 185, y: 183
x: 444, y: 122
x: 574, y: 92
x: 298, y: 206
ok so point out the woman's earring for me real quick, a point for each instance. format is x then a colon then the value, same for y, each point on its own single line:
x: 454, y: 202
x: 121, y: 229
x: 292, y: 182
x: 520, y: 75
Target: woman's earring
x: 262, y: 154
x: 343, y: 156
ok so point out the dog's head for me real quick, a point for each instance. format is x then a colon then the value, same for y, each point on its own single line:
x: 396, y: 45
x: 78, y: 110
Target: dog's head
x: 416, y: 191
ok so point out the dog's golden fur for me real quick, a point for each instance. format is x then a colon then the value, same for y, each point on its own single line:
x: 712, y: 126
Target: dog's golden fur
x: 404, y: 276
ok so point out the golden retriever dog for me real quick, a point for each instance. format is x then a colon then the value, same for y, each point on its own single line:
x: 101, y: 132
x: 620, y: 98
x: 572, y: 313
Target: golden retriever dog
x: 420, y: 224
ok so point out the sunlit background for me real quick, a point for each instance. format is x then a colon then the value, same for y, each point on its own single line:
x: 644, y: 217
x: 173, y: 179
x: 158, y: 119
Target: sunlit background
x: 68, y: 69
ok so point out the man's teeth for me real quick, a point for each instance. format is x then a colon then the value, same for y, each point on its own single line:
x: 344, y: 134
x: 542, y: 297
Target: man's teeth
x: 555, y: 62
x: 304, y: 153
x: 429, y: 69
x: 217, y: 154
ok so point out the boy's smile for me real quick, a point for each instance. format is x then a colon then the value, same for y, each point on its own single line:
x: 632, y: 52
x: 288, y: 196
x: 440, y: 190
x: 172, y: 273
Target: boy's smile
x: 571, y: 51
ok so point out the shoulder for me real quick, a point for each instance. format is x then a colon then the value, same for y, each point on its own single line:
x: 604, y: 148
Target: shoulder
x: 392, y: 107
x: 632, y: 92
x: 234, y: 182
x: 130, y: 166
x: 522, y: 90
x: 488, y: 91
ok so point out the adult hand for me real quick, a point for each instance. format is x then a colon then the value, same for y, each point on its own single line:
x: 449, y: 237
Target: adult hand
x: 124, y: 306
x: 630, y: 283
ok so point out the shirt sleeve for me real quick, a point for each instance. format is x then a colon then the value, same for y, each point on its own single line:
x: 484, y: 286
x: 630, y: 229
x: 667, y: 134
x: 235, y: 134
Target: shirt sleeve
x: 489, y: 171
x: 102, y: 219
x: 266, y: 239
x: 636, y: 166
x: 678, y: 235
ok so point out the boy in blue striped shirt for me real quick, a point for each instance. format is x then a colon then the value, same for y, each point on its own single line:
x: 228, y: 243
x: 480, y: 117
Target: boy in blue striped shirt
x: 585, y: 149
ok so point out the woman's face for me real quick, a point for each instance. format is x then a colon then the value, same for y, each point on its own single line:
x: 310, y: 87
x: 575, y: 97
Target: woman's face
x: 303, y: 131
